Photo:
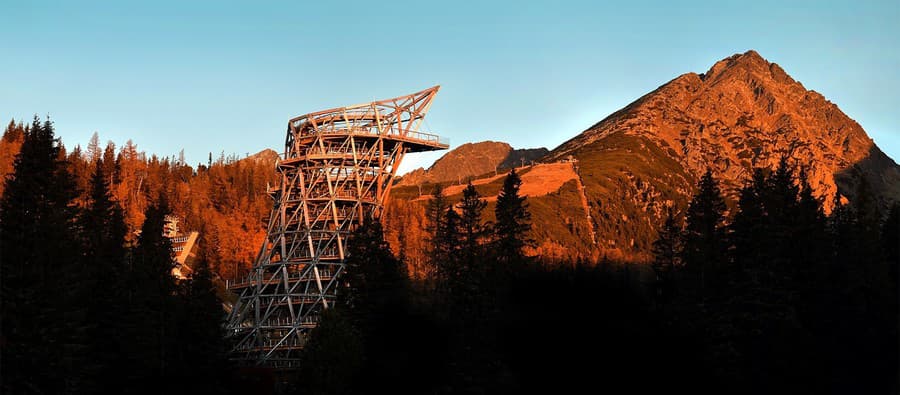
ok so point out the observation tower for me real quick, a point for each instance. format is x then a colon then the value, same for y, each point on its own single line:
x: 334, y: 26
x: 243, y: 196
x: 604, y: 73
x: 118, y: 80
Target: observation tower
x: 337, y: 167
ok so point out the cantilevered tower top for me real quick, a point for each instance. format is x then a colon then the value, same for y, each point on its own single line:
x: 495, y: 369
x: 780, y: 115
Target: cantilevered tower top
x: 398, y: 119
x: 337, y: 169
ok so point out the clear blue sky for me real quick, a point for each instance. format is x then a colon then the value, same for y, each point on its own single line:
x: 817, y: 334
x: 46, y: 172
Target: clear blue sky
x: 219, y: 76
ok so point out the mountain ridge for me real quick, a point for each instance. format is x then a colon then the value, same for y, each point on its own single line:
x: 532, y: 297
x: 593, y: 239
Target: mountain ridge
x: 769, y: 111
x: 643, y: 160
x: 471, y: 160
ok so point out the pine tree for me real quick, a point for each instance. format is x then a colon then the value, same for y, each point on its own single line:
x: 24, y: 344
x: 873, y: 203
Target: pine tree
x: 449, y: 243
x: 467, y: 273
x: 377, y: 280
x: 512, y: 222
x: 704, y: 245
x: 471, y: 227
x: 377, y: 303
x: 444, y: 240
x: 780, y: 242
x: 811, y: 250
x: 861, y: 324
x: 10, y: 144
x: 103, y: 238
x: 151, y: 316
x: 42, y: 322
x: 435, y: 214
x: 666, y: 253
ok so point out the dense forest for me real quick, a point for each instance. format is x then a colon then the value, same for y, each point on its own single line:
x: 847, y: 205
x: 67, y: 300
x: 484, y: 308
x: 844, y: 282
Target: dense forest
x: 87, y: 305
x: 224, y: 199
x: 771, y: 296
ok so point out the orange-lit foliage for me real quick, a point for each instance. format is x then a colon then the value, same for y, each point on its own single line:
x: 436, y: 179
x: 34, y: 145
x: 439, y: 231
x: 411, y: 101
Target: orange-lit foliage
x: 224, y: 200
x: 9, y: 148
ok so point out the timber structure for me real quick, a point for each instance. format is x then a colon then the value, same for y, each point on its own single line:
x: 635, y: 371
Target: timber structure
x: 337, y: 167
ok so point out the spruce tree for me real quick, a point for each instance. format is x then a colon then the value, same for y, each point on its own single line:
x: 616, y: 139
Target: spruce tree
x: 811, y: 251
x: 151, y: 316
x: 469, y: 269
x: 449, y: 243
x: 512, y: 222
x: 472, y: 229
x: 435, y: 214
x: 666, y: 252
x: 781, y: 240
x: 103, y: 237
x: 862, y: 317
x: 377, y: 280
x: 42, y: 320
x: 377, y: 303
x: 705, y: 243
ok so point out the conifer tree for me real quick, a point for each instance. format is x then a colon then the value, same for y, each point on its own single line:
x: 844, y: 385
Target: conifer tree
x: 472, y: 229
x: 42, y: 321
x: 449, y: 243
x: 666, y: 253
x: 151, y: 317
x: 435, y: 214
x: 377, y: 303
x: 704, y: 244
x: 861, y: 322
x: 377, y: 280
x: 512, y: 222
x: 110, y: 165
x: 103, y: 237
x: 769, y: 231
x: 811, y: 247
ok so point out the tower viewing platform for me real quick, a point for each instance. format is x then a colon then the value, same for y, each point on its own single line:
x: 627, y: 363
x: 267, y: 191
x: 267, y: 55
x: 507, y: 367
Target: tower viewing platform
x: 338, y: 166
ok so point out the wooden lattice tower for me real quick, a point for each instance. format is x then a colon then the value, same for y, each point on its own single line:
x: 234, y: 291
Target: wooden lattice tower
x: 338, y: 166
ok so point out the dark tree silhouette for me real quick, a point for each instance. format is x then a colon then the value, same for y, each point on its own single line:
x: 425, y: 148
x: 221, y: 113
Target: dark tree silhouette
x: 103, y: 245
x: 472, y: 228
x: 513, y: 222
x: 435, y: 213
x: 704, y: 240
x: 202, y: 348
x: 666, y: 253
x: 890, y: 241
x: 151, y: 308
x: 44, y: 345
x: 333, y: 359
x: 377, y: 280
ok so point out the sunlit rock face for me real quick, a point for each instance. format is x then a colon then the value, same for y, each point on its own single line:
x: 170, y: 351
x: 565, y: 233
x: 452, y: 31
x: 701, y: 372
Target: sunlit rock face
x: 631, y: 167
x: 743, y: 113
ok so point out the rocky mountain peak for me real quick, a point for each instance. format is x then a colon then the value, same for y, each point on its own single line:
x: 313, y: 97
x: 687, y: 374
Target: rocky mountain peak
x: 747, y: 62
x: 742, y: 114
x: 642, y: 161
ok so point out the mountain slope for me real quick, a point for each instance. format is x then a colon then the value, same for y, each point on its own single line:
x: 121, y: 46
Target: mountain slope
x: 632, y: 166
x: 743, y: 113
x: 471, y: 160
